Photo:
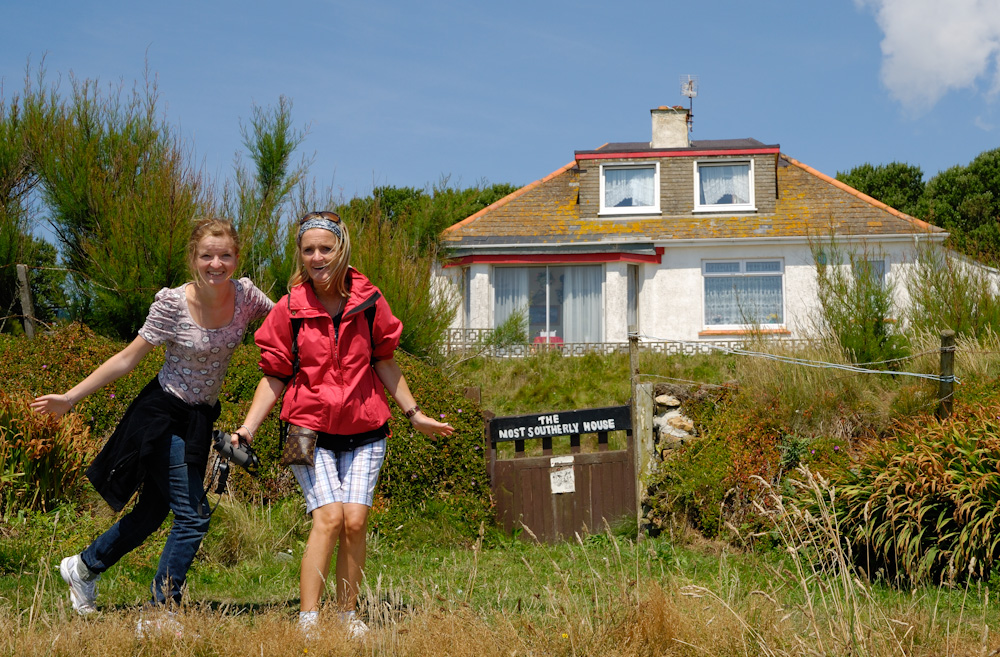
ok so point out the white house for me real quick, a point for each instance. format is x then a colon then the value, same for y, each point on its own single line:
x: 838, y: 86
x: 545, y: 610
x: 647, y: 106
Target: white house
x: 686, y: 240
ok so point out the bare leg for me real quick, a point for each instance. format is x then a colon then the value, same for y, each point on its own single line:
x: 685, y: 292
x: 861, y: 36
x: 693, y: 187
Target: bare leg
x: 328, y: 522
x: 351, y: 554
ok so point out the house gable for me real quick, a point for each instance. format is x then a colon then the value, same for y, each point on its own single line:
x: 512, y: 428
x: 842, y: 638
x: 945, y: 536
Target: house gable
x: 562, y: 210
x: 588, y: 258
x: 677, y: 172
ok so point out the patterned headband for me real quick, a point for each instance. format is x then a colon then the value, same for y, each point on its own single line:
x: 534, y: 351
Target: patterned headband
x: 319, y: 222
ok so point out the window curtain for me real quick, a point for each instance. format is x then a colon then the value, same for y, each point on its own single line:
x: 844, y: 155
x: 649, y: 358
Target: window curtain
x: 467, y: 297
x: 628, y: 188
x: 632, y: 312
x: 723, y: 185
x: 582, y: 308
x: 743, y: 300
x: 510, y: 290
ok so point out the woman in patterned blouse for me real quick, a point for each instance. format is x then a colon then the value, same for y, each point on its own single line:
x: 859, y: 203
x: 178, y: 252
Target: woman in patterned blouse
x: 163, y: 441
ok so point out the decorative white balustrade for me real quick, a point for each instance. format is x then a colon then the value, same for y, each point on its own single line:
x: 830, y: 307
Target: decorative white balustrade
x: 478, y: 341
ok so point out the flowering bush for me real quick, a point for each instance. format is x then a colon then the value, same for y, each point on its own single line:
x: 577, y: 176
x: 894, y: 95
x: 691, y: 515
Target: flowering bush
x: 42, y: 458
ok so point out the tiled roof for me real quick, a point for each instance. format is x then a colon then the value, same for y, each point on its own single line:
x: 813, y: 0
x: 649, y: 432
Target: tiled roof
x: 809, y: 203
x: 696, y: 145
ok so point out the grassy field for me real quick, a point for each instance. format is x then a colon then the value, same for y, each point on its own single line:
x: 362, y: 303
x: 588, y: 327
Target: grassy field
x: 604, y: 594
x: 432, y: 590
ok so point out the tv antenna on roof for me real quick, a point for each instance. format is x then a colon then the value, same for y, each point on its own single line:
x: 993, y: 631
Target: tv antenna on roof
x: 689, y: 88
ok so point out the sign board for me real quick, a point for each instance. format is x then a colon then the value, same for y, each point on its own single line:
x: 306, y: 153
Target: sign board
x: 561, y: 477
x: 565, y: 423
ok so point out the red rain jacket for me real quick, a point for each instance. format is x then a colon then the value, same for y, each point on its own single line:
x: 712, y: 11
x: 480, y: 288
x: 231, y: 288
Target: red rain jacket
x: 336, y: 389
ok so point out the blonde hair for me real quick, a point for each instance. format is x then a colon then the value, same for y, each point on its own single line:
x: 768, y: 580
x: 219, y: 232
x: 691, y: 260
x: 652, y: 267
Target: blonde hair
x: 340, y: 263
x: 213, y: 227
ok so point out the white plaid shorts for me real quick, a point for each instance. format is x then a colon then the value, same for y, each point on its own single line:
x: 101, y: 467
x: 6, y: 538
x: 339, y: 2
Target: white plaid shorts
x: 345, y: 477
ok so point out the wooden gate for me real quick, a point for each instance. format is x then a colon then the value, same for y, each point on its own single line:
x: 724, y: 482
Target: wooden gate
x: 557, y: 496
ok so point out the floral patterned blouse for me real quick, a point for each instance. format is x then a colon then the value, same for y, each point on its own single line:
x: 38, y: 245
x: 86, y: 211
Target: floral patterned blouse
x: 197, y: 358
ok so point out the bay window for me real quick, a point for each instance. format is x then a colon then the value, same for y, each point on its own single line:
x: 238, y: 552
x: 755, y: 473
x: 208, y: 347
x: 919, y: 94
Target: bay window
x: 561, y: 303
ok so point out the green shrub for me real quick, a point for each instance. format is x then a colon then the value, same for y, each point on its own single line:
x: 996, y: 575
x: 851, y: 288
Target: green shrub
x: 949, y: 292
x: 420, y: 475
x: 857, y: 305
x: 926, y: 505
x: 57, y: 360
x: 403, y: 274
x: 711, y: 481
x: 42, y: 458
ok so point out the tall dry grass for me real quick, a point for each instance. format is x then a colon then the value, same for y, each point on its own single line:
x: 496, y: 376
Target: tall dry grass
x: 601, y: 595
x: 816, y: 396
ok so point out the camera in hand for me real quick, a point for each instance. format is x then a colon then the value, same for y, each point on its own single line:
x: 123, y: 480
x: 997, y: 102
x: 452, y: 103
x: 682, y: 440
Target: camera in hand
x: 243, y: 455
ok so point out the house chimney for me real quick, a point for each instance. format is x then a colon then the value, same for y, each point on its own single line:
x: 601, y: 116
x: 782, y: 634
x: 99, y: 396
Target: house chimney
x: 670, y: 127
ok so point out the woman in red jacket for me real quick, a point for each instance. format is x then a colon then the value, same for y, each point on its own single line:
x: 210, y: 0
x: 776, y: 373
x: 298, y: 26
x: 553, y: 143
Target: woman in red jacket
x: 345, y: 367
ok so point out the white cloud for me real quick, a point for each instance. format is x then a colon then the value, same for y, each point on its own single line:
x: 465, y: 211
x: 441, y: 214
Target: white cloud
x: 983, y: 124
x: 932, y: 47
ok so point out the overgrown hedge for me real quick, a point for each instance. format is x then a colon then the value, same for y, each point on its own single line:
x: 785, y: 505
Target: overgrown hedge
x: 438, y: 483
x: 711, y: 484
x: 925, y: 505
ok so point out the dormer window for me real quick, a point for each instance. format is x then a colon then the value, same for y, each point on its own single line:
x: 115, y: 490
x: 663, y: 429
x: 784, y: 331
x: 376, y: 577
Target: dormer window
x: 724, y: 186
x: 630, y: 188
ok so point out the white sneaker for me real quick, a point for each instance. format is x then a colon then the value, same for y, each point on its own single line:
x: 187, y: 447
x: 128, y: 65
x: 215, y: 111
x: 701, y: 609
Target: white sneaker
x: 308, y: 622
x: 356, y: 628
x: 163, y: 623
x: 82, y: 592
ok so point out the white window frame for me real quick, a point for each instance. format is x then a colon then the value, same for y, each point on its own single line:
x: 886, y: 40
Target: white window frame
x: 882, y: 263
x: 634, y: 210
x: 743, y: 274
x: 751, y: 206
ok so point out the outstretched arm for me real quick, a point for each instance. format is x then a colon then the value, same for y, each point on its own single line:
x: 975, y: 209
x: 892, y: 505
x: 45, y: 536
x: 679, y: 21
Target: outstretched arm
x: 110, y: 370
x: 267, y: 394
x: 395, y: 384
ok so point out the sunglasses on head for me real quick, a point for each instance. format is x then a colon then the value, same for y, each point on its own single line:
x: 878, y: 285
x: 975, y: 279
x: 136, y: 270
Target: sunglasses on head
x: 323, y: 214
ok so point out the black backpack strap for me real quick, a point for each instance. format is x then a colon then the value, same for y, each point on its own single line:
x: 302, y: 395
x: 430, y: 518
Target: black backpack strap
x: 296, y: 325
x: 369, y: 307
x: 370, y: 316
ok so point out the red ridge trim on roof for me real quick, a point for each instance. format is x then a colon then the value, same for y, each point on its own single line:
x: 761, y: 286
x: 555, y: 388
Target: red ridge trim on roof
x: 510, y: 197
x: 537, y: 258
x: 864, y: 197
x: 634, y: 155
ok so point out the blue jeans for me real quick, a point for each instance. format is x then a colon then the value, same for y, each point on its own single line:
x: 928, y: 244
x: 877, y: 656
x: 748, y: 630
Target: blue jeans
x: 191, y: 518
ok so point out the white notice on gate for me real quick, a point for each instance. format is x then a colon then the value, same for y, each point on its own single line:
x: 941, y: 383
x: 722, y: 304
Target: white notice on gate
x: 563, y: 481
x: 561, y: 478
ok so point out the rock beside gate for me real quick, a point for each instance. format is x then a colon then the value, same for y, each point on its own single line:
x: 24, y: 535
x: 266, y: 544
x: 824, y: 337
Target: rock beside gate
x: 671, y: 428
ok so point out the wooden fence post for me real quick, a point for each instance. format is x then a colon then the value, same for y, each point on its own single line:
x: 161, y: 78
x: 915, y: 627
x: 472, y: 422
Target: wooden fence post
x: 946, y: 387
x: 638, y: 444
x: 27, y: 308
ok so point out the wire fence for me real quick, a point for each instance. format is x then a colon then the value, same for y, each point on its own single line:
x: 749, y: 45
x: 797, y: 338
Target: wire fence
x: 477, y: 342
x: 858, y: 368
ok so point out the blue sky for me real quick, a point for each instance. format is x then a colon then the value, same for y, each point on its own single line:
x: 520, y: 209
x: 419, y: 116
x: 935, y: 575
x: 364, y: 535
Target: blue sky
x: 404, y: 93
